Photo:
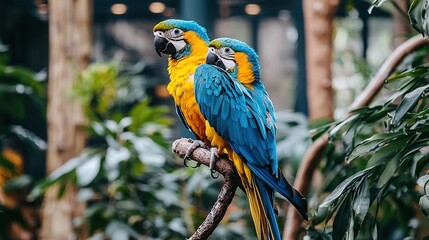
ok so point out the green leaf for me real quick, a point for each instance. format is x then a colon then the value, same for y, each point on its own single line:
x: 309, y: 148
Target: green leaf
x: 149, y: 152
x: 88, y: 170
x: 409, y: 75
x: 362, y: 201
x: 40, y: 188
x: 387, y: 151
x: 407, y: 104
x: 424, y: 204
x: 343, y: 187
x: 116, y: 154
x: 375, y: 4
x: 17, y: 183
x: 421, y: 162
x: 374, y: 232
x: 388, y: 172
x: 419, y: 16
x: 338, y: 127
x: 342, y: 221
x: 371, y: 143
x: 29, y: 136
x: 178, y: 225
x: 66, y: 168
x: 119, y: 230
x: 62, y: 189
x: 423, y: 182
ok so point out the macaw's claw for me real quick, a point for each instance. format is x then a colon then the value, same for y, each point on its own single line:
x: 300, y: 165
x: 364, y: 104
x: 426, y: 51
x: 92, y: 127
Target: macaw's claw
x: 196, y: 144
x: 214, y: 174
x: 213, y: 158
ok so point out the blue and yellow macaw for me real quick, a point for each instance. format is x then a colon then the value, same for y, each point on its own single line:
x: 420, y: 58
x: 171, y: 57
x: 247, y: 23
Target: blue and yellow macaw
x: 233, y: 99
x: 186, y: 43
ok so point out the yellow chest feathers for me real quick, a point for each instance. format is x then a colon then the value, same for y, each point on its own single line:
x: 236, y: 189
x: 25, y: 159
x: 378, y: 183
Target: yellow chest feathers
x: 182, y: 70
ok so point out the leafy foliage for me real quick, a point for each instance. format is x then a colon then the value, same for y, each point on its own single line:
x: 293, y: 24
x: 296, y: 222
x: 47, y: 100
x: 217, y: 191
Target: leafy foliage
x: 20, y: 89
x: 374, y: 160
x: 418, y: 13
x: 419, y: 16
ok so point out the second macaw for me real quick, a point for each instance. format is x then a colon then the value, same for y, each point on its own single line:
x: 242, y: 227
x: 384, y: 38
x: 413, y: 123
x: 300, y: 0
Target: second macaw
x: 233, y: 99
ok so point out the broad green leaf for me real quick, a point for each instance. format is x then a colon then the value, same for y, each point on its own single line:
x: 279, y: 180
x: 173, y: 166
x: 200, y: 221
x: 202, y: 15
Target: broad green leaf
x: 387, y: 151
x: 374, y: 232
x: 117, y: 230
x: 362, y: 201
x: 85, y: 194
x: 88, y: 170
x: 62, y: 189
x: 178, y: 225
x: 424, y: 204
x: 342, y: 220
x: 40, y: 188
x: 388, y: 172
x: 22, y: 76
x: 149, y: 152
x: 66, y: 168
x: 116, y: 154
x: 321, y: 214
x: 419, y: 16
x: 371, y: 143
x: 344, y: 186
x: 29, y: 136
x: 337, y: 128
x: 421, y: 162
x: 17, y: 183
x: 423, y: 182
x: 375, y: 4
x: 419, y: 71
x: 71, y: 164
x: 407, y: 104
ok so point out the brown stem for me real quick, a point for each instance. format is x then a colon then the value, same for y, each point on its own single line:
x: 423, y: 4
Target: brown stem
x: 313, y: 155
x: 226, y: 194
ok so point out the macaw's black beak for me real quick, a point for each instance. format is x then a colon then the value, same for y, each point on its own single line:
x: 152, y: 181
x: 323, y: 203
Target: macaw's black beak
x: 213, y: 59
x: 162, y: 45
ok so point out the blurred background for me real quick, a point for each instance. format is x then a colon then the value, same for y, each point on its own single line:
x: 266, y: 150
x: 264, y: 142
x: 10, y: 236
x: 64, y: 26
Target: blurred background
x: 120, y: 180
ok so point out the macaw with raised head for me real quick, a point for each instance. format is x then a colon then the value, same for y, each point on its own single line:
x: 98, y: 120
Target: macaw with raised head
x: 186, y: 43
x: 233, y: 99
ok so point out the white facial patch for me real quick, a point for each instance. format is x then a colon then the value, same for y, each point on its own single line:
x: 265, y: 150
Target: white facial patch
x: 179, y: 45
x: 229, y: 64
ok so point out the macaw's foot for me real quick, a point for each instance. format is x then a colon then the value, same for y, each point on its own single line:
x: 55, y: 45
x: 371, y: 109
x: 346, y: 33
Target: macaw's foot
x: 196, y: 144
x: 213, y: 158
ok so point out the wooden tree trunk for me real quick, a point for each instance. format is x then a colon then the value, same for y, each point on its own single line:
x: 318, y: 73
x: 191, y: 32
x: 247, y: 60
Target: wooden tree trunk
x: 70, y: 23
x: 318, y: 21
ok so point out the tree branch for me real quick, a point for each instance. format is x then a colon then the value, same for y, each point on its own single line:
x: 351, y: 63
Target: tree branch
x: 314, y: 153
x: 226, y: 194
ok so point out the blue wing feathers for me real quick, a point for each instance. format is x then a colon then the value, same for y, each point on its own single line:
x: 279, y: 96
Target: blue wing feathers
x: 225, y: 109
x: 245, y: 119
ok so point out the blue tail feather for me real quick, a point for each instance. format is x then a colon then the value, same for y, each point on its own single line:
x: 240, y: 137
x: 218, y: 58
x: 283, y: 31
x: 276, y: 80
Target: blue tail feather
x: 282, y: 186
x: 266, y: 194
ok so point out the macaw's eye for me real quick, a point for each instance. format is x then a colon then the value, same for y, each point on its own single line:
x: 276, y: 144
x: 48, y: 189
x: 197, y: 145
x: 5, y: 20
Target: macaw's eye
x: 175, y: 32
x: 227, y: 52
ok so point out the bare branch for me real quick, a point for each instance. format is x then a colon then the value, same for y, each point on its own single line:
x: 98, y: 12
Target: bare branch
x: 313, y: 155
x: 226, y: 194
